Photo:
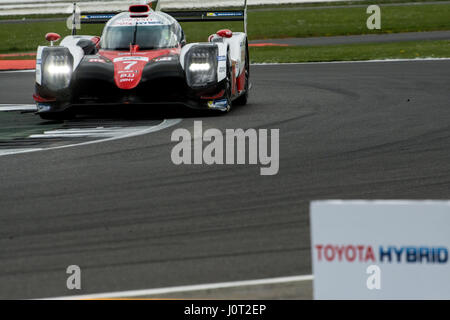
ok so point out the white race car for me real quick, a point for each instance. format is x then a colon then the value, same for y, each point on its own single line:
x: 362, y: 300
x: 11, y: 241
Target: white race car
x: 142, y: 58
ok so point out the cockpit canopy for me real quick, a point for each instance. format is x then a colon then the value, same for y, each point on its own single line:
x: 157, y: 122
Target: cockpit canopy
x: 156, y: 31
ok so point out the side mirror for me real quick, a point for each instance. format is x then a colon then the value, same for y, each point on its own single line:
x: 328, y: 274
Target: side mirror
x: 51, y: 37
x: 225, y: 33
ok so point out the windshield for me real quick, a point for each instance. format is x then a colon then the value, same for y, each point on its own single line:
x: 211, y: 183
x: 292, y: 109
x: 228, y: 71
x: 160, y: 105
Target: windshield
x: 147, y: 37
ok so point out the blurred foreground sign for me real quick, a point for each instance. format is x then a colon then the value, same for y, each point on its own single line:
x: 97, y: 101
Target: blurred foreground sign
x: 381, y: 249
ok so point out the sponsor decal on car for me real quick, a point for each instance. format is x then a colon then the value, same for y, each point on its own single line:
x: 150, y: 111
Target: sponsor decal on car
x: 164, y: 59
x: 94, y: 60
x: 137, y: 21
x: 131, y: 58
x: 221, y: 104
x: 127, y: 75
x: 42, y: 107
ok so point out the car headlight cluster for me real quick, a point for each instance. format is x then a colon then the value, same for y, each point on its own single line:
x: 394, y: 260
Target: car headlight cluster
x: 198, y: 67
x: 201, y: 66
x: 57, y: 71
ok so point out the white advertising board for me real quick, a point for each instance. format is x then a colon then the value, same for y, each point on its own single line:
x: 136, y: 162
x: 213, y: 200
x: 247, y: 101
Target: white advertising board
x: 380, y: 249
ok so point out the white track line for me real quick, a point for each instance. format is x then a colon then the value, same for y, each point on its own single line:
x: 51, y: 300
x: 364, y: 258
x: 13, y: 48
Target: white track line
x: 15, y: 107
x: 200, y: 287
x: 5, y: 152
x: 122, y: 135
x: 356, y: 61
x: 17, y: 71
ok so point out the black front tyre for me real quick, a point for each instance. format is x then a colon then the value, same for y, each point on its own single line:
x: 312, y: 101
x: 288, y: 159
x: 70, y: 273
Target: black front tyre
x: 229, y: 82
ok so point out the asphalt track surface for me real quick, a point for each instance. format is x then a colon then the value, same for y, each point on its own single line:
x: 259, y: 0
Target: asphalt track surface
x: 132, y: 220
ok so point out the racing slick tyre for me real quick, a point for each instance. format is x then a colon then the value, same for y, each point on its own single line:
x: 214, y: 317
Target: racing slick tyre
x: 242, y: 100
x: 228, y: 88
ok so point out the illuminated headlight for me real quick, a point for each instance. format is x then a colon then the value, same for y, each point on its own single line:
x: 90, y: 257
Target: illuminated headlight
x: 201, y: 66
x: 57, y: 71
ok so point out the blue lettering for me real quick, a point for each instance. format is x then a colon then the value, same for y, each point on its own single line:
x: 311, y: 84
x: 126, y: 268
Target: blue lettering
x: 386, y: 253
x: 424, y: 253
x: 442, y: 255
x: 411, y: 254
x: 414, y: 254
x: 398, y: 253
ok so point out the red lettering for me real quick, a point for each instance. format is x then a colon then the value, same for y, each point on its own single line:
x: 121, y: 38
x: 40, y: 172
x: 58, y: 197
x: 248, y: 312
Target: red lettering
x: 349, y: 257
x: 369, y: 254
x: 345, y: 252
x: 360, y: 252
x: 340, y: 250
x: 319, y: 251
x: 327, y: 250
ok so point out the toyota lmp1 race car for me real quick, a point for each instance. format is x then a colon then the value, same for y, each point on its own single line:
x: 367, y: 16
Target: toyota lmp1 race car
x: 142, y: 58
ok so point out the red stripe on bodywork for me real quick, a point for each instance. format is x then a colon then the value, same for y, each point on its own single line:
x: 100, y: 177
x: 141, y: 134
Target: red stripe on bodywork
x: 38, y: 98
x: 217, y: 96
x: 96, y: 41
x: 129, y: 65
x: 241, y: 81
x: 234, y: 80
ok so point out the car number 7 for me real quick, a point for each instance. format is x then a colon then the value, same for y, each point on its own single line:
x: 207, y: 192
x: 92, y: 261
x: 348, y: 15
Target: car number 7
x: 130, y: 64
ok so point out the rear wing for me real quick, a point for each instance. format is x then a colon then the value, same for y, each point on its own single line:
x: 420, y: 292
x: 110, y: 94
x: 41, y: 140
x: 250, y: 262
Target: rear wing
x: 96, y: 18
x: 180, y: 16
x: 200, y: 16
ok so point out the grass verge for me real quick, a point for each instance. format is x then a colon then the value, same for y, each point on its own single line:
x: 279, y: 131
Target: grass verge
x: 366, y: 51
x: 338, y: 3
x: 352, y: 52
